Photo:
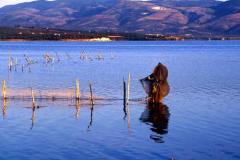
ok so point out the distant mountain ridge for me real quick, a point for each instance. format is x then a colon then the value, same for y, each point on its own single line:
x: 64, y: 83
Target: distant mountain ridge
x: 172, y: 17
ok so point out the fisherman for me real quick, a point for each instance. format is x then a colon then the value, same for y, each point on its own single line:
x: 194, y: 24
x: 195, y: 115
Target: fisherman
x: 156, y: 84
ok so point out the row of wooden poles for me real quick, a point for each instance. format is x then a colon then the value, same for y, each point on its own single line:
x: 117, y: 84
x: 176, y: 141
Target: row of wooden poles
x: 77, y: 92
x: 126, y: 92
x: 126, y: 95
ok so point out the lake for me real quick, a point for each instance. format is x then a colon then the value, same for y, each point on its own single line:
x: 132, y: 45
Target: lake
x: 199, y: 119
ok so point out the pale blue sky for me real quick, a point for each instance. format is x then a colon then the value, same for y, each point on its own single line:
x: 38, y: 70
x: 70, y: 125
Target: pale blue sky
x: 9, y: 2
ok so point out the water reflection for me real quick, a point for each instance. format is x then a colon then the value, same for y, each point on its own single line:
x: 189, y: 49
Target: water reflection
x: 33, y: 118
x: 4, y: 108
x: 156, y: 115
x: 77, y: 109
x: 91, y: 118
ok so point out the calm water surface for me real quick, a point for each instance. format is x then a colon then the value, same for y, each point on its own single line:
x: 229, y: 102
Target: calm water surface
x: 199, y: 119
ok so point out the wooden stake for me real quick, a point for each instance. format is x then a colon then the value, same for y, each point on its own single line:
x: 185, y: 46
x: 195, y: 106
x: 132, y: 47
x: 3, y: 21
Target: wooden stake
x: 4, y: 90
x: 33, y: 98
x: 91, y: 94
x: 77, y: 90
x: 128, y: 88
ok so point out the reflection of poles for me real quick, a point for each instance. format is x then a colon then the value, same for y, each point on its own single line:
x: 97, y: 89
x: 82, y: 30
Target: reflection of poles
x: 128, y: 117
x: 92, y: 104
x: 4, y: 108
x: 91, y: 118
x: 4, y: 90
x: 33, y: 117
x: 4, y: 97
x: 77, y: 109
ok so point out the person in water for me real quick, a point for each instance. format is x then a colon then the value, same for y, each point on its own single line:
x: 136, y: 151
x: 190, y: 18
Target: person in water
x: 156, y: 84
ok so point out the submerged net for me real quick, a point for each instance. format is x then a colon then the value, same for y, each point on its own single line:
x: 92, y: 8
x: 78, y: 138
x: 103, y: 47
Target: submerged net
x: 147, y: 84
x: 53, y: 94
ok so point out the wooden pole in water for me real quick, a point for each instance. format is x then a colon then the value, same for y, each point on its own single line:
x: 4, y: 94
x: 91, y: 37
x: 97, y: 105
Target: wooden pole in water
x: 33, y: 99
x: 77, y: 90
x: 91, y: 94
x: 4, y: 90
x: 128, y: 88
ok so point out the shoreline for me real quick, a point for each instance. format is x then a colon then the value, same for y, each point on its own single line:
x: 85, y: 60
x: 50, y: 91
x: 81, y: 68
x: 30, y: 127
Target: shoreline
x: 21, y: 34
x: 89, y: 40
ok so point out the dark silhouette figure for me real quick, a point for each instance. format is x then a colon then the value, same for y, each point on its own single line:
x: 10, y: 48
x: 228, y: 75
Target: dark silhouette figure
x: 156, y: 84
x: 156, y: 115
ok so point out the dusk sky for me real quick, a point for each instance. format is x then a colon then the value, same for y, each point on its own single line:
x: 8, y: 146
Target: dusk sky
x: 9, y: 2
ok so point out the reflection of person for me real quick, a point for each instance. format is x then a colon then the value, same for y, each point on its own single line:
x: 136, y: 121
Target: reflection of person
x: 156, y: 115
x: 156, y: 84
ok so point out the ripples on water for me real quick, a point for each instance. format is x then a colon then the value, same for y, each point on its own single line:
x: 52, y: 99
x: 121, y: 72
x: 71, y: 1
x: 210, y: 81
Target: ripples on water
x: 198, y: 120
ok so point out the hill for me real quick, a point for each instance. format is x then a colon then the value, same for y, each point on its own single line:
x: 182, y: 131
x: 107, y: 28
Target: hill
x: 166, y: 17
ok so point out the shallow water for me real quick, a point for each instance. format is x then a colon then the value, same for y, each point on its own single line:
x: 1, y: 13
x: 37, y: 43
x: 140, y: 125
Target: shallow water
x: 200, y: 118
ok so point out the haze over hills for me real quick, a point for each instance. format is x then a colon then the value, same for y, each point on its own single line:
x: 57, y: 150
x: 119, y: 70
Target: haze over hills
x: 172, y: 17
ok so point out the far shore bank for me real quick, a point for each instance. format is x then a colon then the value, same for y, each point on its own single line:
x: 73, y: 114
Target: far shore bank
x: 20, y: 34
x: 90, y: 40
